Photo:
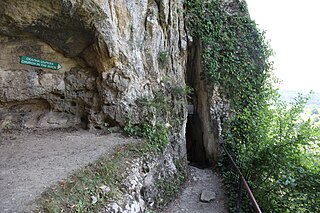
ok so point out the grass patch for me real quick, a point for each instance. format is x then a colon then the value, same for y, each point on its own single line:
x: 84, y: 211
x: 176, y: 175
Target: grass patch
x: 92, y: 187
x: 163, y: 57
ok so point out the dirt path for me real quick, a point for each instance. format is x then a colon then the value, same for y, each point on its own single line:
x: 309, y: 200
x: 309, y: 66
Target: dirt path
x: 32, y: 161
x: 189, y: 199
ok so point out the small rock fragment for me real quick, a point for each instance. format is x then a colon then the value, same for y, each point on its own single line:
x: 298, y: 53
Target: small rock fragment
x: 94, y: 200
x: 105, y: 189
x: 207, y: 196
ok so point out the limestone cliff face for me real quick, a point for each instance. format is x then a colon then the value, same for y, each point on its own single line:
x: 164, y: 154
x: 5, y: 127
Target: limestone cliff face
x: 112, y: 53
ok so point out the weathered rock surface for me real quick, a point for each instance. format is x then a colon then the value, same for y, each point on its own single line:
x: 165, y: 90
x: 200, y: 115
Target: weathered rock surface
x: 141, y: 186
x: 209, y: 110
x: 112, y: 53
x: 207, y: 196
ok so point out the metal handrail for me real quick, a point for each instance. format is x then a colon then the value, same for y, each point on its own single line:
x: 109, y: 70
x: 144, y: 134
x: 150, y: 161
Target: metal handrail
x: 243, y: 180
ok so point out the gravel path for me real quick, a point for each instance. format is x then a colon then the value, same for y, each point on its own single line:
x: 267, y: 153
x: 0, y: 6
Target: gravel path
x: 189, y: 199
x: 30, y: 162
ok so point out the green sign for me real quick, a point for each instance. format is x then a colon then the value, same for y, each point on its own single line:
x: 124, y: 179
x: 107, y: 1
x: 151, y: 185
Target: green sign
x: 39, y: 62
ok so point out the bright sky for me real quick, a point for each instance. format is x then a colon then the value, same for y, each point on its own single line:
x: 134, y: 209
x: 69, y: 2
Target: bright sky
x: 293, y: 26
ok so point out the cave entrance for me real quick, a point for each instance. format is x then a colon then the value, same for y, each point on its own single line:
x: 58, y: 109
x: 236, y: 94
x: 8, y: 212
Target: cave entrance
x: 196, y: 154
x: 200, y: 142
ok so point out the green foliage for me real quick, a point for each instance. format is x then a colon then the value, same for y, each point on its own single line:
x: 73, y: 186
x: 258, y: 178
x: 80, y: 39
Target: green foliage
x: 156, y: 135
x: 157, y: 106
x: 163, y: 57
x: 283, y: 167
x: 281, y: 177
x: 156, y: 112
x: 182, y: 91
x: 235, y: 53
x: 271, y: 144
x: 236, y: 60
x: 153, y: 129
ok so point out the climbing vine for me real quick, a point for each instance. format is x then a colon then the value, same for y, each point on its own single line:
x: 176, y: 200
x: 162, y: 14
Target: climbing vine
x: 235, y: 57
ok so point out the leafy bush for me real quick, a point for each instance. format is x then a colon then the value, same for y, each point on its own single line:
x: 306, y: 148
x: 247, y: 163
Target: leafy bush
x: 281, y: 169
x: 156, y: 135
x: 153, y: 129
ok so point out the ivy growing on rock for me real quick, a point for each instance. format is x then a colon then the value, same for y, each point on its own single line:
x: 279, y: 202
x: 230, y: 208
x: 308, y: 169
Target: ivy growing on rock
x: 235, y: 57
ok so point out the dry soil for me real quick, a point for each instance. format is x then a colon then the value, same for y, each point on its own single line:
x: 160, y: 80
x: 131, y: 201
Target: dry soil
x: 30, y: 162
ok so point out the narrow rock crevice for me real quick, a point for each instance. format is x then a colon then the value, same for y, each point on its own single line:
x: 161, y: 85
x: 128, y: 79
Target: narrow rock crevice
x: 201, y: 134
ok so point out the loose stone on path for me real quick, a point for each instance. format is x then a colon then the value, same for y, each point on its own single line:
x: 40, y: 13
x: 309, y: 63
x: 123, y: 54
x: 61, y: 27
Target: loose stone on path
x: 207, y: 196
x: 203, y: 193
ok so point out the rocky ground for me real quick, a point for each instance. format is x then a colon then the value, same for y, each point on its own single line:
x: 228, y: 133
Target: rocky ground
x: 203, y: 193
x: 32, y: 161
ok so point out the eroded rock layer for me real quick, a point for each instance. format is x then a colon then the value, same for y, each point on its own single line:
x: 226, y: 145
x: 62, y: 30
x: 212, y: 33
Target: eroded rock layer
x: 112, y: 53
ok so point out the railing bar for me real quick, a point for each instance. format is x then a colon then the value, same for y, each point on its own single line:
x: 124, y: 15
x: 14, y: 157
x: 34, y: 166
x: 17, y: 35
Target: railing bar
x: 246, y: 186
x: 253, y: 200
x: 238, y: 207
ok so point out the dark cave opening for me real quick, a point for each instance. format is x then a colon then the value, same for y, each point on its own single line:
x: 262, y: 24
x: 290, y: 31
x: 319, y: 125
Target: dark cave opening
x: 197, y: 128
x: 196, y: 154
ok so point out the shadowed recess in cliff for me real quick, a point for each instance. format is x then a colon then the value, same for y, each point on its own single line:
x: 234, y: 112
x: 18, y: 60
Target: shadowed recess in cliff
x: 201, y: 131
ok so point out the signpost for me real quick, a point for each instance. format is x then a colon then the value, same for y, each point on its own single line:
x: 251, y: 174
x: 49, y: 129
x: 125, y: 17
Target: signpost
x: 39, y: 63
